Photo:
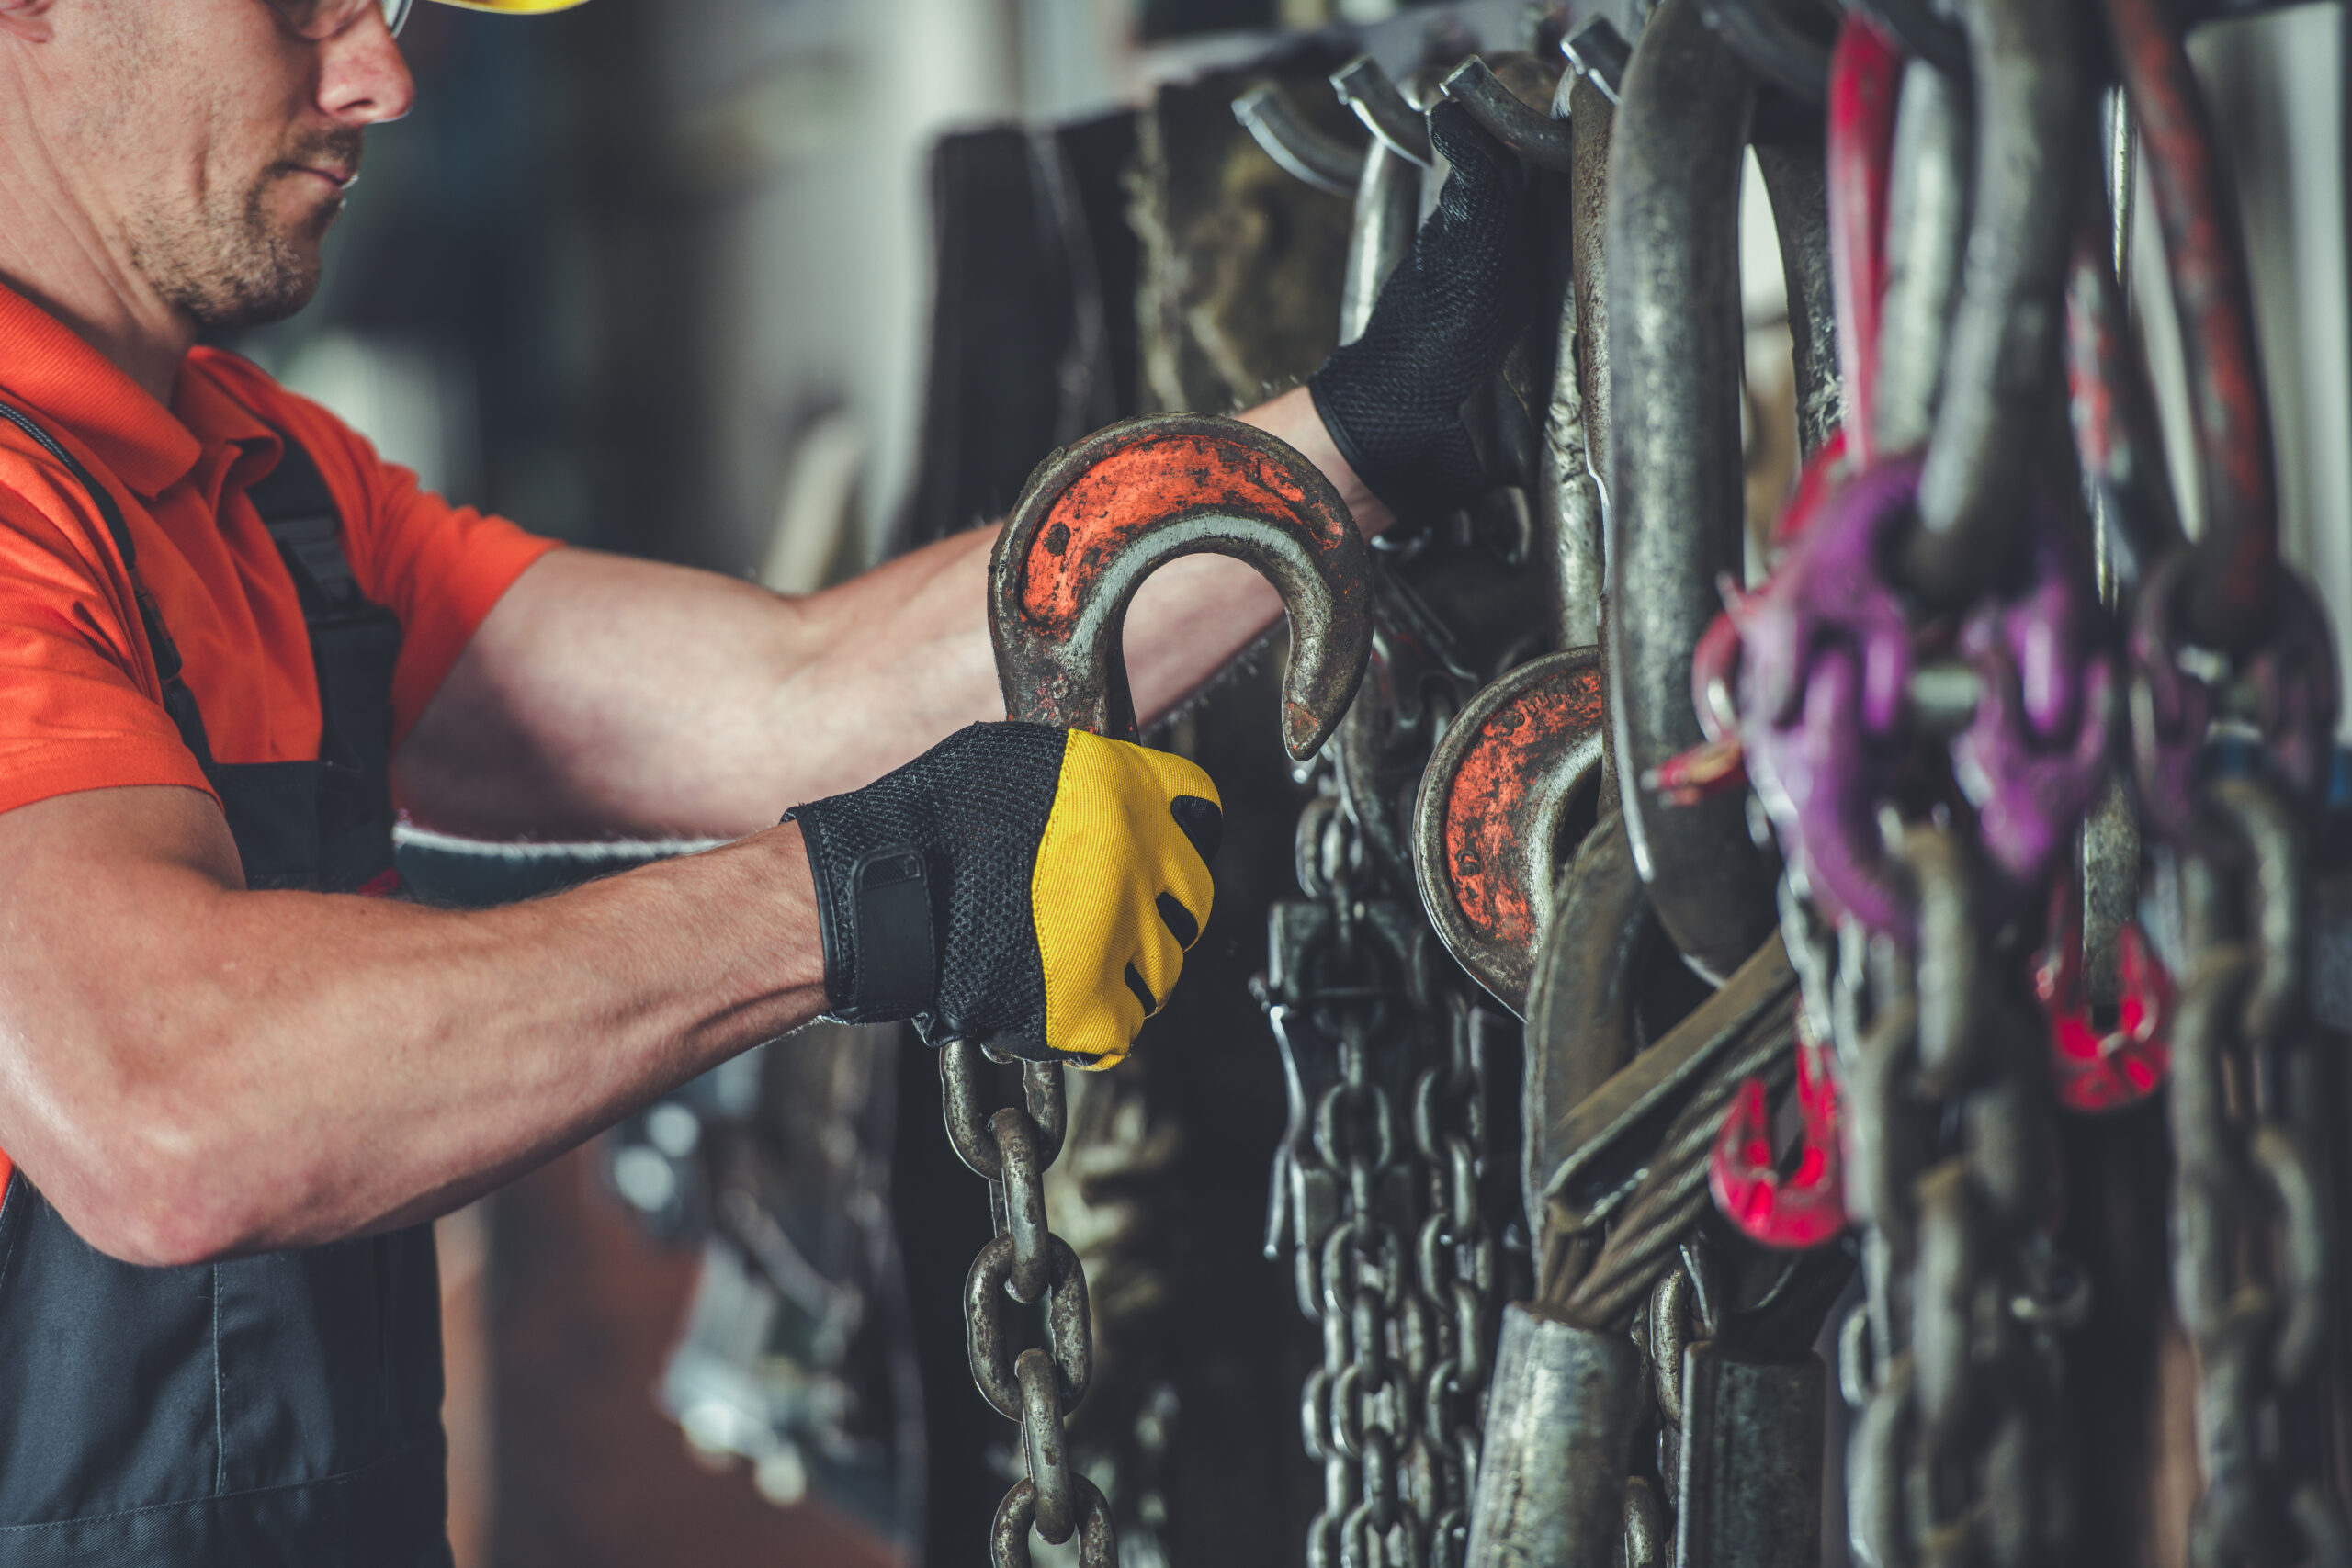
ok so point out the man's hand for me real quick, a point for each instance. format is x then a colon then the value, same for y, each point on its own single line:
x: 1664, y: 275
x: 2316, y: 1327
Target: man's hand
x: 1393, y: 399
x: 1030, y: 887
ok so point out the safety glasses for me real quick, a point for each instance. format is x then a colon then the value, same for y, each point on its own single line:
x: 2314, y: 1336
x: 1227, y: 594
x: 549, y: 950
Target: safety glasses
x: 325, y: 19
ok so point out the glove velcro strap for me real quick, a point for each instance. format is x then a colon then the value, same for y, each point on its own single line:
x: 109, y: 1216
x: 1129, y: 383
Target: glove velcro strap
x: 896, y: 958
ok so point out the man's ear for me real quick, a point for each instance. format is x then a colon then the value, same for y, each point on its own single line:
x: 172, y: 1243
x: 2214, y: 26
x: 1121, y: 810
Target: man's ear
x: 27, y: 20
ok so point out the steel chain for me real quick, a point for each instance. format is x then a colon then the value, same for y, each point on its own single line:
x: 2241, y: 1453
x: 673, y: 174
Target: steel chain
x: 2251, y: 1240
x: 1398, y: 1261
x: 1027, y: 1266
x: 1949, y: 1142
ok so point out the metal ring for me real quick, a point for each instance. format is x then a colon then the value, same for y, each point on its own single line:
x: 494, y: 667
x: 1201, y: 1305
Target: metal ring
x: 2006, y: 329
x: 2231, y: 590
x: 968, y: 1129
x: 1679, y: 512
x: 1098, y: 1541
x: 1024, y: 1207
x: 1069, y: 1331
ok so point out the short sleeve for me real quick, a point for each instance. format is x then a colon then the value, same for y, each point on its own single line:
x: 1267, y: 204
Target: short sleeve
x: 79, y: 705
x: 441, y: 568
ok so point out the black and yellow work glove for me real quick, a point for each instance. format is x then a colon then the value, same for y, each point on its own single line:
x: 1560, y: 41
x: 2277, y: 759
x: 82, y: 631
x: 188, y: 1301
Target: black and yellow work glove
x: 1028, y: 888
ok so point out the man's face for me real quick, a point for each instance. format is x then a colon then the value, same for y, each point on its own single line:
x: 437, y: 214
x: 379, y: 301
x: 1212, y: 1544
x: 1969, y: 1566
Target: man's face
x: 226, y: 141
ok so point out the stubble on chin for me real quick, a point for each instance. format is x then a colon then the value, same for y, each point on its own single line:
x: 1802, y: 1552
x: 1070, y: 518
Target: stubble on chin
x: 232, y: 261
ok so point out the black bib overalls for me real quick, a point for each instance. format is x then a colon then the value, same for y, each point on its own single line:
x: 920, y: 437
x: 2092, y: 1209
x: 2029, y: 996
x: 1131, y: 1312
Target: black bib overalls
x: 276, y: 1410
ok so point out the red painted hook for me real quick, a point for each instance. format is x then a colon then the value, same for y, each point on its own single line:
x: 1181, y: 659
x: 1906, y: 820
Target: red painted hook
x: 2112, y: 1069
x: 1806, y: 1208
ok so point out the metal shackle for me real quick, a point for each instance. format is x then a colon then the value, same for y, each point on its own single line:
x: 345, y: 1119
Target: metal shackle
x: 1099, y: 517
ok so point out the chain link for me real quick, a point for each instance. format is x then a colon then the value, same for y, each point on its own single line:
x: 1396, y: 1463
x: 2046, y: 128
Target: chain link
x: 2251, y: 1261
x: 1948, y: 1139
x: 1381, y: 1183
x: 1027, y: 1266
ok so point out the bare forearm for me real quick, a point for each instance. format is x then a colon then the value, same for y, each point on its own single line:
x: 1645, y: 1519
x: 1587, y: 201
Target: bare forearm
x: 607, y: 696
x: 248, y: 1071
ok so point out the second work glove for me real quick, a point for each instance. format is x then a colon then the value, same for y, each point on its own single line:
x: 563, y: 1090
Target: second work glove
x: 1028, y: 888
x: 1394, y: 399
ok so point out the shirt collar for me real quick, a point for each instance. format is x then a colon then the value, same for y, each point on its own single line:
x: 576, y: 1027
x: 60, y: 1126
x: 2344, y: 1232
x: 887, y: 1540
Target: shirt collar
x: 47, y: 367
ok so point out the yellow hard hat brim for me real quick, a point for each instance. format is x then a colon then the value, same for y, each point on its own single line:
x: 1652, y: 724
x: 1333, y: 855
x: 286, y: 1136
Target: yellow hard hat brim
x: 516, y: 7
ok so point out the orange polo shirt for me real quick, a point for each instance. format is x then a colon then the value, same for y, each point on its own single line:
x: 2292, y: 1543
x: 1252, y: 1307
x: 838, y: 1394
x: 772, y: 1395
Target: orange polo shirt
x: 80, y: 704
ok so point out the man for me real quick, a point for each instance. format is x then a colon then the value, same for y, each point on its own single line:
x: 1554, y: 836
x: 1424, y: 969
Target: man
x: 232, y: 1092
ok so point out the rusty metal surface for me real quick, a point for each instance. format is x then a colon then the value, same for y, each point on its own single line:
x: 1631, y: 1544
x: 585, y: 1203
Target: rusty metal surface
x: 2235, y: 577
x: 1103, y: 515
x: 1494, y: 804
x: 1798, y: 187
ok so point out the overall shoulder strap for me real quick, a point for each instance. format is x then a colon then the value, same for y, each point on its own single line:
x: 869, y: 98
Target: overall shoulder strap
x: 301, y: 513
x: 178, y: 701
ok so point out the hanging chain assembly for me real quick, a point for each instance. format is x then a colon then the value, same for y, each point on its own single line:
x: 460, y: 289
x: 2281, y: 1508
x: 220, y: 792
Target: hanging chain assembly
x: 1924, y: 706
x: 2248, y: 1131
x: 1093, y: 523
x: 1387, y: 1187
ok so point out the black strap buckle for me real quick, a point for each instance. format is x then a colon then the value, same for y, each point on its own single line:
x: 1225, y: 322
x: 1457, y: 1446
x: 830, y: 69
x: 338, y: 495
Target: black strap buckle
x: 896, y: 956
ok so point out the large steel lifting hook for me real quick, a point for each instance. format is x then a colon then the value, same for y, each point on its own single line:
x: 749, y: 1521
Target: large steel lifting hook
x: 1099, y: 517
x: 1494, y: 801
x: 1094, y: 521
